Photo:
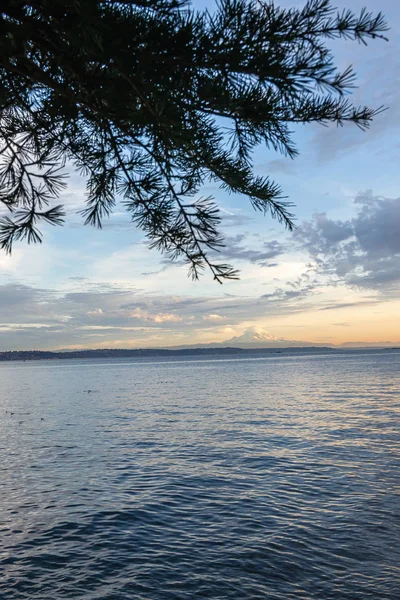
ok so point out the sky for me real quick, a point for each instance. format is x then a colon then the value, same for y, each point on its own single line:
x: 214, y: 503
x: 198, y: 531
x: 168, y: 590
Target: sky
x: 334, y: 280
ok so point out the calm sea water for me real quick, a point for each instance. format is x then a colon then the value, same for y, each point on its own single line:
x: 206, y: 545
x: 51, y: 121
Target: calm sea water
x: 274, y: 478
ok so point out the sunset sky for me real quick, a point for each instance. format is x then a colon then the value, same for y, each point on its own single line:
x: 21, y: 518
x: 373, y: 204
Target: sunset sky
x: 336, y: 279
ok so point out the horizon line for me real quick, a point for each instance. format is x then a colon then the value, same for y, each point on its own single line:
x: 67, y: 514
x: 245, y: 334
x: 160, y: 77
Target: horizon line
x: 205, y: 347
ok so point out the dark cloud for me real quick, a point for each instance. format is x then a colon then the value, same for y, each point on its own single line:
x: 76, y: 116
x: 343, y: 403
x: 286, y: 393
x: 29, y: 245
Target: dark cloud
x: 363, y: 251
x: 236, y: 249
x: 17, y: 300
x: 284, y: 295
x: 322, y: 235
x: 242, y: 247
x: 268, y: 264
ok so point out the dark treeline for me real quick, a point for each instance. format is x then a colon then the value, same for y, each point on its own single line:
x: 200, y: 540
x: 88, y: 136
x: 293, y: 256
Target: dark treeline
x: 147, y: 352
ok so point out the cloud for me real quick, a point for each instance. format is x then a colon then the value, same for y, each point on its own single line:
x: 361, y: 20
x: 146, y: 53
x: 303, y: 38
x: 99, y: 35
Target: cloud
x: 244, y: 247
x: 96, y: 313
x: 236, y: 249
x: 101, y: 316
x: 340, y: 305
x: 363, y: 251
x: 279, y: 165
x: 322, y: 235
x: 148, y: 273
x: 145, y: 315
x: 229, y: 219
x: 214, y: 318
x: 283, y: 295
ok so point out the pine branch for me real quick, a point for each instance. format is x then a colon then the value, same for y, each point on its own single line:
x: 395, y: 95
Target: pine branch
x: 144, y: 115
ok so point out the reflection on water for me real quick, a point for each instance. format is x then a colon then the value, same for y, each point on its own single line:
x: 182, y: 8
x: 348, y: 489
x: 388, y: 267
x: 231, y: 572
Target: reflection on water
x: 242, y: 479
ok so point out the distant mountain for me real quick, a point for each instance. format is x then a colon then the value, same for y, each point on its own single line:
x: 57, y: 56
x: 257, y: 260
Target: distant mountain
x: 257, y: 338
x: 370, y: 345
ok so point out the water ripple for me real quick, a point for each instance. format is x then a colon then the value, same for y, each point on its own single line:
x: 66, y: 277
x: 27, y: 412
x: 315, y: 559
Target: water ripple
x: 243, y: 479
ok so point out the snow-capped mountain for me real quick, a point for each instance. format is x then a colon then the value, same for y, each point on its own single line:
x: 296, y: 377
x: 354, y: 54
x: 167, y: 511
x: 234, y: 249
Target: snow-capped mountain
x: 258, y: 338
x: 255, y: 338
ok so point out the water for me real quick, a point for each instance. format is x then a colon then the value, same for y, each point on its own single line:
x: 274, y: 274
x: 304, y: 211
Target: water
x: 273, y: 478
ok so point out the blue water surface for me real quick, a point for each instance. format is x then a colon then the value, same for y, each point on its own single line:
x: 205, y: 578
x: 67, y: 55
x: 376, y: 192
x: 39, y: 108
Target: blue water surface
x: 257, y: 478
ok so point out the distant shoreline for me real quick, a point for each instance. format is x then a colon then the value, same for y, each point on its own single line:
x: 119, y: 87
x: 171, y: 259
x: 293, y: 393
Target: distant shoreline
x: 34, y: 355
